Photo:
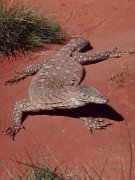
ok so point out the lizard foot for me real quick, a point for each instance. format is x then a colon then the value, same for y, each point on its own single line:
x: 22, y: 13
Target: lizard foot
x: 91, y: 123
x: 117, y: 54
x: 12, y: 131
x: 18, y: 76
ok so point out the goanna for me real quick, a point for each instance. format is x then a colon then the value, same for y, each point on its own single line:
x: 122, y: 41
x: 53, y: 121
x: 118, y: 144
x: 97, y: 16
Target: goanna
x: 57, y: 84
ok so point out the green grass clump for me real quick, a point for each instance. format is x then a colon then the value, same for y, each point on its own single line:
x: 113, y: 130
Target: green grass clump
x: 22, y: 29
x: 31, y: 170
x: 42, y: 174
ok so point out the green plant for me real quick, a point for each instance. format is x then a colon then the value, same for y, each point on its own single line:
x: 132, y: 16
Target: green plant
x: 31, y: 172
x: 41, y: 171
x: 22, y: 29
x: 44, y: 173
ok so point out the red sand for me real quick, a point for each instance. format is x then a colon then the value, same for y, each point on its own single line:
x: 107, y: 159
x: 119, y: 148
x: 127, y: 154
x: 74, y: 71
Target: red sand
x: 106, y: 25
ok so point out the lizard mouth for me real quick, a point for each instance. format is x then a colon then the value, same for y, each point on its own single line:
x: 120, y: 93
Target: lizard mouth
x: 100, y: 100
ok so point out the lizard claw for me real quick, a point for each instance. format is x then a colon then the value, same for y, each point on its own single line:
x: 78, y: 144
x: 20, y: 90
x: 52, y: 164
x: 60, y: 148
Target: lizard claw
x: 11, y: 81
x: 12, y: 131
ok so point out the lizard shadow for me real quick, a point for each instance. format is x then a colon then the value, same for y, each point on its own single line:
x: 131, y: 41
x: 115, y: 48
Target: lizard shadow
x: 90, y: 110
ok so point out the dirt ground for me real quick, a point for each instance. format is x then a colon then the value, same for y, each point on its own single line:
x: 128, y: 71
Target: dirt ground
x: 61, y: 138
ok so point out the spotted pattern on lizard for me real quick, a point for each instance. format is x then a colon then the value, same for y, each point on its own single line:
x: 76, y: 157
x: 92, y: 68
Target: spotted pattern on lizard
x: 57, y: 84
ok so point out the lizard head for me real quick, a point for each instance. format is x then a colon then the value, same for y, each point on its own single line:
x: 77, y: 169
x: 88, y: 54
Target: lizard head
x: 85, y: 94
x: 94, y: 96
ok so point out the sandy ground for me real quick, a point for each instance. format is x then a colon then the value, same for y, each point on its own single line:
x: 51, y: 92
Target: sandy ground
x: 108, y: 154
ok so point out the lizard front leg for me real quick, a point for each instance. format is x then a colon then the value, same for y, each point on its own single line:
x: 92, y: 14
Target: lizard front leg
x: 100, y: 56
x: 94, y: 123
x: 20, y: 107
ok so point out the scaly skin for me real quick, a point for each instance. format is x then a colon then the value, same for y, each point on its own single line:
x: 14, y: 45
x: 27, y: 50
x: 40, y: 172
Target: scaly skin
x: 56, y: 84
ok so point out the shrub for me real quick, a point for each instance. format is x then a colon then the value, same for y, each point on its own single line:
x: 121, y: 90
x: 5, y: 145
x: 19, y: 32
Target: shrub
x: 22, y: 29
